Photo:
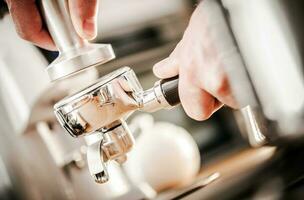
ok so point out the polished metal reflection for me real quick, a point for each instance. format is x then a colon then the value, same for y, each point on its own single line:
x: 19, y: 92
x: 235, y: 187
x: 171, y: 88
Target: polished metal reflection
x: 117, y: 141
x: 112, y: 98
x: 97, y: 166
x: 101, y: 109
x: 274, y: 62
x: 114, y: 145
x: 153, y: 99
x: 76, y: 53
x: 255, y: 126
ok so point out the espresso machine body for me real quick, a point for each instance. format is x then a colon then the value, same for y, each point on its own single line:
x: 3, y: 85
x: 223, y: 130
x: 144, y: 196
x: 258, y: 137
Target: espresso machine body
x: 269, y: 35
x: 268, y: 83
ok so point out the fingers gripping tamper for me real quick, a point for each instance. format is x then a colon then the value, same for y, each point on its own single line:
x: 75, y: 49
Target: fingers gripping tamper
x: 75, y: 53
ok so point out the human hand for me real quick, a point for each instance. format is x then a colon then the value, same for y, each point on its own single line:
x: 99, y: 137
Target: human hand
x: 201, y: 59
x: 29, y: 23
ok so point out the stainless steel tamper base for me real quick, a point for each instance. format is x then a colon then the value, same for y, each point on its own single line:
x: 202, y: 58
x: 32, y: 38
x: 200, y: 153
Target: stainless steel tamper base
x: 77, y: 59
x: 76, y: 53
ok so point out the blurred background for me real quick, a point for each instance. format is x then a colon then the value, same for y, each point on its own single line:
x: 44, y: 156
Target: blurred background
x: 39, y: 161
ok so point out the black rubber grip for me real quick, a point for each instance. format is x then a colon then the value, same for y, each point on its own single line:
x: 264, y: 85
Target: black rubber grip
x: 170, y: 90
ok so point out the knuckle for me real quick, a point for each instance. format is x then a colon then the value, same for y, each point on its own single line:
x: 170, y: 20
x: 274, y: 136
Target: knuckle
x: 200, y: 111
x: 221, y: 87
x: 197, y: 104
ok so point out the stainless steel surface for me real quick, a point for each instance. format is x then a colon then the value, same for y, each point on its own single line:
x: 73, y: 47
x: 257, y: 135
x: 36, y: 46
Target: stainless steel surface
x: 101, y: 109
x: 30, y: 135
x: 117, y: 141
x: 269, y: 36
x: 255, y: 125
x: 25, y: 91
x: 113, y: 97
x: 97, y: 165
x: 264, y: 64
x: 76, y: 53
x: 42, y: 161
x: 113, y: 146
x: 154, y: 100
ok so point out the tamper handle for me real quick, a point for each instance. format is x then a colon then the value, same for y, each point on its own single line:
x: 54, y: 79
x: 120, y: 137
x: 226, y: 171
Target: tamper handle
x: 75, y: 53
x: 169, y: 88
x: 57, y: 17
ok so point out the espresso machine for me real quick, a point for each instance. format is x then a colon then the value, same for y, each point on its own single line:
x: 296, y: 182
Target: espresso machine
x: 266, y: 78
x: 103, y: 106
x: 268, y: 34
x: 56, y: 167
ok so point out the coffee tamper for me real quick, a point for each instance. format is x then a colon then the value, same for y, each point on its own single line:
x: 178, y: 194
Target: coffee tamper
x: 75, y: 53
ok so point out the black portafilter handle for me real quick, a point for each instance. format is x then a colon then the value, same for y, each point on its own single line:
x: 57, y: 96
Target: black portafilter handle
x: 169, y: 89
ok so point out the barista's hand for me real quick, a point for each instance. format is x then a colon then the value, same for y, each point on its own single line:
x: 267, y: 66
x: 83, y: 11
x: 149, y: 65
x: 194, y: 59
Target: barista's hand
x: 200, y: 59
x: 29, y: 24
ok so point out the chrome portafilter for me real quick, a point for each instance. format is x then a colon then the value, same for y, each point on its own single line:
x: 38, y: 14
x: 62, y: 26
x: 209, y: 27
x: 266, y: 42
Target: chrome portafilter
x: 102, y: 108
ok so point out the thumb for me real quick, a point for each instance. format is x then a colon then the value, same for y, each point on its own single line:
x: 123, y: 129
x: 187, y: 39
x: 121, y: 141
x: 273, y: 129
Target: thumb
x: 166, y: 68
x: 84, y: 16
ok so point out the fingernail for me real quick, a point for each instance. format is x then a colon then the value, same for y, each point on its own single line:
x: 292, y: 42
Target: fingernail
x: 157, y: 69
